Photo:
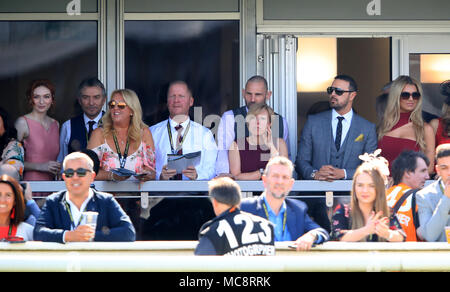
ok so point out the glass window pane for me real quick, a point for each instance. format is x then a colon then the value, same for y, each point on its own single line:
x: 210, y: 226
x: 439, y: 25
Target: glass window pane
x: 203, y: 53
x: 63, y: 51
x: 319, y: 60
x: 431, y: 70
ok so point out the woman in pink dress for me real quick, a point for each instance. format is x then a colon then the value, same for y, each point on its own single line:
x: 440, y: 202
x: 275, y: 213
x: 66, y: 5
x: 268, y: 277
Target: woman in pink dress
x: 402, y: 126
x: 40, y: 133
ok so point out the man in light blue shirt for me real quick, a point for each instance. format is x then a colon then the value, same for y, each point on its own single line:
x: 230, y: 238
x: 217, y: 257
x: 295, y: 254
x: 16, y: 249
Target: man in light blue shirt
x: 289, y: 216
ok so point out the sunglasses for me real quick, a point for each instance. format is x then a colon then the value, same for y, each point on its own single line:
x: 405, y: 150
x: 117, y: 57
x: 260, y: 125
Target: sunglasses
x: 81, y: 172
x: 121, y: 105
x: 338, y: 91
x: 406, y: 95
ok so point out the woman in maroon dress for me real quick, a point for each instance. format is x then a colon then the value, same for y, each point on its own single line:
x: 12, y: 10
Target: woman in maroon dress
x: 402, y: 126
x: 249, y: 156
x: 441, y: 126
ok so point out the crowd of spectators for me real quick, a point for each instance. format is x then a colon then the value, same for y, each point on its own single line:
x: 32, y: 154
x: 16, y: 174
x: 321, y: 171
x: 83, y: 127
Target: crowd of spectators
x: 388, y: 200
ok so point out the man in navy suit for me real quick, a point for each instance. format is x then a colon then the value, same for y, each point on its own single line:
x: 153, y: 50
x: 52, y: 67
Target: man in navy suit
x: 289, y: 216
x: 59, y: 220
x: 75, y: 133
x: 331, y: 142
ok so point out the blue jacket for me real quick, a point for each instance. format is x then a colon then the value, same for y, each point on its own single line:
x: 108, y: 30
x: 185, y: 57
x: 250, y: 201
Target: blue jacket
x: 298, y: 222
x: 113, y: 224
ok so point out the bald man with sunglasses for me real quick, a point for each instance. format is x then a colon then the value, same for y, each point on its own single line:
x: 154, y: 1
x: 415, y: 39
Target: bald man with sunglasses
x: 61, y: 216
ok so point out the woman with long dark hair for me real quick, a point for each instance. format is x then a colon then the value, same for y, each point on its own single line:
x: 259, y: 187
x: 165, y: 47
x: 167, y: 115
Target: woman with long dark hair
x: 12, y: 211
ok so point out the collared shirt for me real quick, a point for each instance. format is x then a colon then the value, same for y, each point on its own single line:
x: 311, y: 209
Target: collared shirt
x: 198, y: 138
x: 225, y: 136
x: 64, y: 137
x: 346, y: 122
x: 175, y: 132
x: 279, y: 222
x: 76, y: 213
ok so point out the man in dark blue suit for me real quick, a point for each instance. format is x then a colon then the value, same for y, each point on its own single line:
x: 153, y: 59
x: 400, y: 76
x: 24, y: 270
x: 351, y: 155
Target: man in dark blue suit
x: 59, y: 220
x: 289, y: 216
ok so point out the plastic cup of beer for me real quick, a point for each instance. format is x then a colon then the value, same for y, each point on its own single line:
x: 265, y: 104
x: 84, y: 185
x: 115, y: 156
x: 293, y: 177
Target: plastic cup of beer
x: 447, y: 233
x: 90, y: 218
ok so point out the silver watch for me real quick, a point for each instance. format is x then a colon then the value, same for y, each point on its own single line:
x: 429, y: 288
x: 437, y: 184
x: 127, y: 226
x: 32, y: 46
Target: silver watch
x: 313, y: 174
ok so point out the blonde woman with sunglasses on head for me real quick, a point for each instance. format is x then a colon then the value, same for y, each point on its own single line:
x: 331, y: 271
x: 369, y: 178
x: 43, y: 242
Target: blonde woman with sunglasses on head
x: 124, y: 142
x: 402, y: 126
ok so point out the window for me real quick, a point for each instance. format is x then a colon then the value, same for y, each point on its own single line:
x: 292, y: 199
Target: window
x: 63, y: 51
x: 205, y: 54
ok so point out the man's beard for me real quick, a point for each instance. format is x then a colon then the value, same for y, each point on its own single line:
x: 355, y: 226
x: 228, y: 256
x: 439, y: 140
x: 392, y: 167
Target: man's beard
x: 280, y: 196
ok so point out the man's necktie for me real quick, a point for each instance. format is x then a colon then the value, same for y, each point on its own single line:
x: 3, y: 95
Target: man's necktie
x: 337, y: 142
x: 91, y: 128
x: 179, y: 148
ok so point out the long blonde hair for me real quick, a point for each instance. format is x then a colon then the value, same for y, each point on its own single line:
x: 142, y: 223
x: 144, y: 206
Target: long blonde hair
x: 136, y: 124
x: 392, y: 113
x: 380, y: 204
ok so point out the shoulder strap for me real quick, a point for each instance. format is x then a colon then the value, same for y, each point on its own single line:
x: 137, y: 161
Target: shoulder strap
x: 402, y: 199
x: 414, y: 212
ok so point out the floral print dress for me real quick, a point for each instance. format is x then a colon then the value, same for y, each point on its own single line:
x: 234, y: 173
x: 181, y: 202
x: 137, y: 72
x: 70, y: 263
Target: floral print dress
x: 341, y: 224
x: 144, y: 156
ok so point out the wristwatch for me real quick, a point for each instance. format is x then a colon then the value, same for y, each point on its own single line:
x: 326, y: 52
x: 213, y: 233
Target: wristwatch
x: 261, y: 171
x: 313, y: 174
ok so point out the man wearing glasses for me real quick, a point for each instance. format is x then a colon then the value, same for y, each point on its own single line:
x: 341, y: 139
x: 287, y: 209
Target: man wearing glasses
x: 331, y: 141
x: 433, y: 201
x: 61, y: 216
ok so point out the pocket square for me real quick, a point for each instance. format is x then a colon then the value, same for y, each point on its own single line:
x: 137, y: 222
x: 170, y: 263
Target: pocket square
x: 360, y: 138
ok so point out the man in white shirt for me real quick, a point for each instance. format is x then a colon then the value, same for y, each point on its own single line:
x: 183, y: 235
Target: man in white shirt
x: 75, y: 132
x: 180, y: 218
x: 191, y: 137
x: 233, y: 124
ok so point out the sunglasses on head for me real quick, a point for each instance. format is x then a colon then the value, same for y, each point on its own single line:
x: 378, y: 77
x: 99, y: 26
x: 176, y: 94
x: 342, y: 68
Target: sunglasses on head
x: 406, y: 95
x: 80, y: 172
x: 121, y: 105
x: 338, y: 91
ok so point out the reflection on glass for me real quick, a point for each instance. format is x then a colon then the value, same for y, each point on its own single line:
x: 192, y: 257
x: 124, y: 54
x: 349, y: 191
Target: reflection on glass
x: 63, y: 51
x: 316, y: 63
x: 431, y: 70
x: 203, y: 53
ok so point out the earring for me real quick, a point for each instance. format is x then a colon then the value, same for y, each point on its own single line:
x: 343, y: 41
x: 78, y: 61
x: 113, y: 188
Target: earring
x: 13, y: 213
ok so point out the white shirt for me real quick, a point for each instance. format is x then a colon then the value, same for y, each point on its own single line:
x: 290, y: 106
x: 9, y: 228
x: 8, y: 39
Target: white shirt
x: 225, y: 136
x: 25, y: 231
x: 198, y: 138
x: 346, y: 122
x: 64, y: 137
x: 76, y: 213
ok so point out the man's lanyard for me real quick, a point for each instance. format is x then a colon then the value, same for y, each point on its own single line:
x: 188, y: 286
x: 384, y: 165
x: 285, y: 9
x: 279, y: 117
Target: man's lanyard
x: 123, y: 159
x: 169, y: 131
x: 72, y: 223
x: 284, y: 217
